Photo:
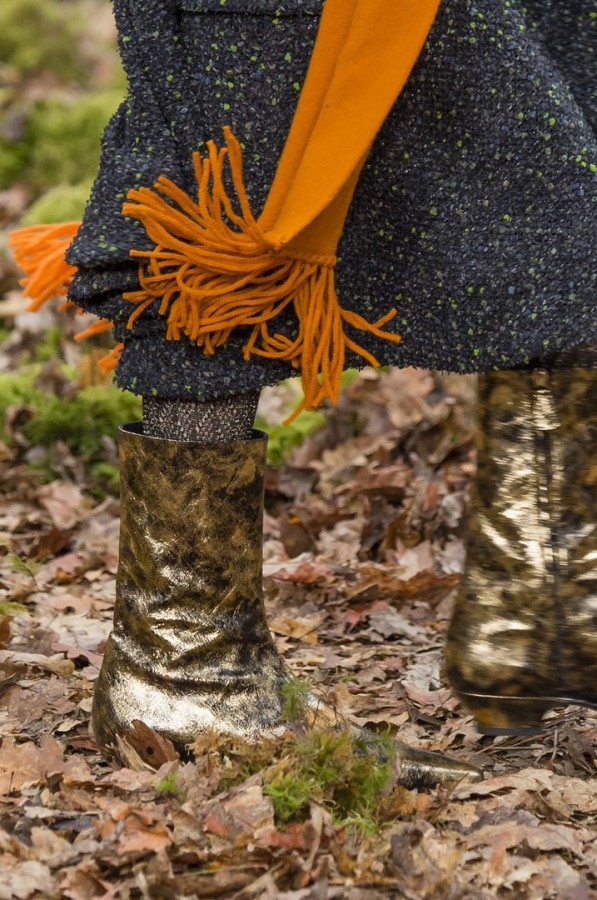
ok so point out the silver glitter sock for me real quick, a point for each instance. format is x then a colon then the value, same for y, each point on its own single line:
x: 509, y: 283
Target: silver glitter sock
x: 211, y: 422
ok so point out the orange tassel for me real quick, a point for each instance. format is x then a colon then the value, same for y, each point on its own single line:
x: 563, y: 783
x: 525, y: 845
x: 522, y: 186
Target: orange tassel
x: 39, y: 251
x: 213, y: 269
x: 99, y: 327
x: 109, y: 361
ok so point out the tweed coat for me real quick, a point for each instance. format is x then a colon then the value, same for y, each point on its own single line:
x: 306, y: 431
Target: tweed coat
x: 474, y: 214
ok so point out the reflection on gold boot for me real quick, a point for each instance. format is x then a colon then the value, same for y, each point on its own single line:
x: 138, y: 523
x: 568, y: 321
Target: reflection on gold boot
x: 190, y: 651
x: 523, y: 637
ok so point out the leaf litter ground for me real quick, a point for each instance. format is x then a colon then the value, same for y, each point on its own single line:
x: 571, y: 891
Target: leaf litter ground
x: 363, y: 549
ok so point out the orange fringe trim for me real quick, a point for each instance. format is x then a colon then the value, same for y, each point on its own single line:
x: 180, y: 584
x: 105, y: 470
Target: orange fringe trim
x: 109, y: 361
x: 213, y: 269
x: 99, y: 327
x: 39, y: 251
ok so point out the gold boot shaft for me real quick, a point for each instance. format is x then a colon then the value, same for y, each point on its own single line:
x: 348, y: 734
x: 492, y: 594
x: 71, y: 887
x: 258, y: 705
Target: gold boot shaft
x: 525, y: 623
x: 189, y: 578
x: 190, y: 649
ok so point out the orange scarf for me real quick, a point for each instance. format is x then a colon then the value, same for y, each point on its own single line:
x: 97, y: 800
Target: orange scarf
x: 215, y: 267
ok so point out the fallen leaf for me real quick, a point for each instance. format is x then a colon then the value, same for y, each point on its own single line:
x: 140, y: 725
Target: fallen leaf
x: 138, y: 837
x: 21, y: 880
x: 299, y: 571
x: 245, y: 811
x: 83, y: 882
x: 57, y: 664
x: 49, y: 847
x: 543, y: 837
x: 4, y: 631
x: 293, y: 838
x: 64, y: 501
x: 50, y: 543
x: 142, y: 747
x: 389, y: 623
x: 527, y: 779
x: 26, y: 764
x: 302, y: 628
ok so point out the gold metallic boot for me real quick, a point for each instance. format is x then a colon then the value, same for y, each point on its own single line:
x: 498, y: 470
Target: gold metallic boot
x: 190, y: 649
x: 523, y: 637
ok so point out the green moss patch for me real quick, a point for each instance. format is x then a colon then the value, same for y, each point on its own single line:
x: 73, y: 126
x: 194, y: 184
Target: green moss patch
x: 64, y: 134
x: 60, y: 143
x: 350, y: 775
x: 63, y: 203
x: 79, y: 420
x: 42, y: 37
x: 283, y: 438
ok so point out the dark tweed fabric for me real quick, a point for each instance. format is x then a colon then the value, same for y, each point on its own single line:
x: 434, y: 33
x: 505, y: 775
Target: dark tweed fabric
x: 474, y: 215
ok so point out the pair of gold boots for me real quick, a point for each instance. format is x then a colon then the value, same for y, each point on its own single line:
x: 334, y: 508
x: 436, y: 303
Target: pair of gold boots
x: 191, y: 650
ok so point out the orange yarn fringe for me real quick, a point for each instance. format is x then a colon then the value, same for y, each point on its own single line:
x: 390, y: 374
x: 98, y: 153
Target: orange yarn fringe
x: 39, y: 251
x: 110, y: 360
x: 213, y: 269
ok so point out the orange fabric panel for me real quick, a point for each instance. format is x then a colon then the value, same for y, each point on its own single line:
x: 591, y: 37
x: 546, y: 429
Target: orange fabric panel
x: 369, y: 47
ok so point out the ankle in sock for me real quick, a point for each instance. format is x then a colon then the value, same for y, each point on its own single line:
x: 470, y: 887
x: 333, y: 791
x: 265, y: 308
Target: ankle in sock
x: 211, y: 422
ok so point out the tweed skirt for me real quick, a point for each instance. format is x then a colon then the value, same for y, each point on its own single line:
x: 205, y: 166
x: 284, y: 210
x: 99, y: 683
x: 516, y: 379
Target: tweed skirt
x: 474, y: 215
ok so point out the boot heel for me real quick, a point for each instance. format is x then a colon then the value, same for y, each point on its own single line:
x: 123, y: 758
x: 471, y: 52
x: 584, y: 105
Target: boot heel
x: 506, y: 715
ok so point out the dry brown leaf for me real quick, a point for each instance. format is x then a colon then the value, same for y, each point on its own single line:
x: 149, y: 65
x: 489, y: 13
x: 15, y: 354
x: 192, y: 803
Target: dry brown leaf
x: 83, y: 882
x: 138, y: 837
x: 24, y: 765
x: 65, y: 502
x: 532, y: 779
x: 388, y: 582
x: 4, y: 631
x: 144, y: 748
x: 292, y: 838
x: 244, y: 811
x: 57, y: 664
x: 50, y: 543
x: 543, y: 837
x: 302, y: 628
x: 20, y: 880
x: 573, y: 795
x: 77, y: 771
x: 388, y: 622
x: 300, y: 571
x: 130, y: 779
x: 49, y: 847
x: 62, y: 569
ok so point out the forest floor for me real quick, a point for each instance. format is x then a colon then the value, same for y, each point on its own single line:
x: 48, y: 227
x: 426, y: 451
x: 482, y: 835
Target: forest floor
x: 363, y: 550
